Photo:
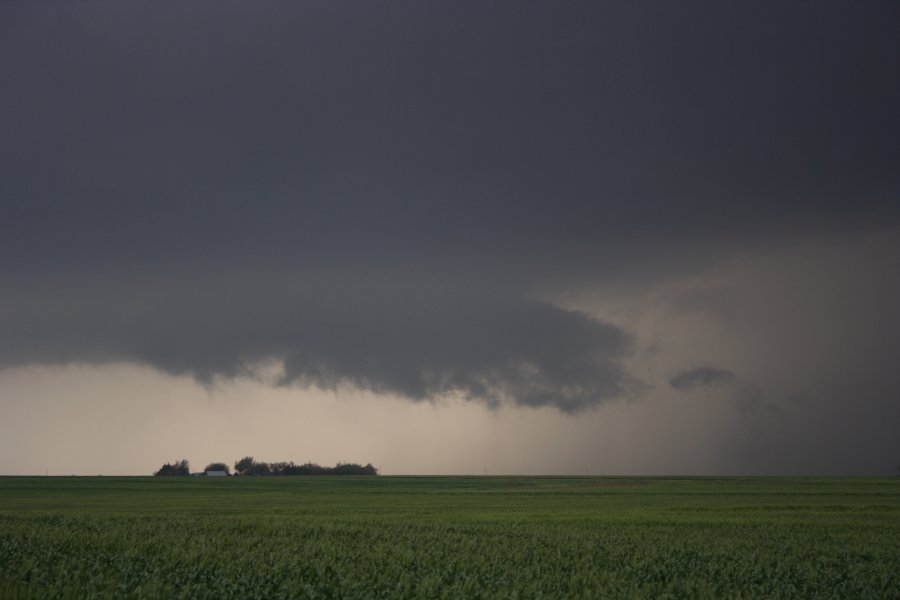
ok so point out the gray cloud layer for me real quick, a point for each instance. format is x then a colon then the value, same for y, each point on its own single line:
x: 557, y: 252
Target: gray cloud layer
x: 528, y: 141
x: 377, y: 195
x: 420, y: 343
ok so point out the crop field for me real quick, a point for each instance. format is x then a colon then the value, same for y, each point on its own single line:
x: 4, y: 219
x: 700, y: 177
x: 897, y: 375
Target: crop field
x: 449, y: 537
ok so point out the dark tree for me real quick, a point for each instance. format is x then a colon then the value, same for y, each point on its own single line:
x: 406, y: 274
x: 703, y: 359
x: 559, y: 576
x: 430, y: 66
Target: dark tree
x: 182, y: 467
x: 218, y: 467
x: 258, y: 468
x: 353, y: 469
x: 243, y: 465
x: 248, y: 466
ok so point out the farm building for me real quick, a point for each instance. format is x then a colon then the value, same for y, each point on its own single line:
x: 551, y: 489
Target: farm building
x: 217, y: 474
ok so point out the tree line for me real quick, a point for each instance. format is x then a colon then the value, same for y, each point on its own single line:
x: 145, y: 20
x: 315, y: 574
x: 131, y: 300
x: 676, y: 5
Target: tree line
x: 248, y: 466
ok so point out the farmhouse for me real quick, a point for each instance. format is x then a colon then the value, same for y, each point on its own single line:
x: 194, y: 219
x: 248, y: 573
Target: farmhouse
x: 217, y: 473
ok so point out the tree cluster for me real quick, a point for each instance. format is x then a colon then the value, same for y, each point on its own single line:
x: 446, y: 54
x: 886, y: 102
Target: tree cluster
x: 249, y: 466
x: 182, y: 467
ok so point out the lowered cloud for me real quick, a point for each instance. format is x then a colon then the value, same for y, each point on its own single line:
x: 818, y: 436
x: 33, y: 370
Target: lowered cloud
x: 420, y: 344
x: 746, y: 396
x: 698, y: 377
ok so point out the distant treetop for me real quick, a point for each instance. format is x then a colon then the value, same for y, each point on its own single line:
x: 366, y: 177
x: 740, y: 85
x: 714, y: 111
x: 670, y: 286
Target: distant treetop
x: 182, y: 467
x: 248, y: 466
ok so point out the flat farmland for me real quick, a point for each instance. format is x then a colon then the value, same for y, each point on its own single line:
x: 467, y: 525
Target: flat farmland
x: 449, y: 537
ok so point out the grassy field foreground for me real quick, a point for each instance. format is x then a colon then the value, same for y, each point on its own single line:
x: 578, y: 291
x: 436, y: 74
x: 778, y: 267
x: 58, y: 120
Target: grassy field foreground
x: 454, y: 537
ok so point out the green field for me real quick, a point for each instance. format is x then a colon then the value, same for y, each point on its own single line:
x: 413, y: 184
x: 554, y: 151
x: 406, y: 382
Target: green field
x: 453, y: 537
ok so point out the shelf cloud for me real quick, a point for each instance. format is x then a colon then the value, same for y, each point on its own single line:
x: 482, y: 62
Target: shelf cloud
x: 502, y: 202
x: 422, y: 347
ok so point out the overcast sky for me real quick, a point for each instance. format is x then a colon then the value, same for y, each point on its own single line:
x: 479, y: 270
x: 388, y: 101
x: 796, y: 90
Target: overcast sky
x: 450, y: 237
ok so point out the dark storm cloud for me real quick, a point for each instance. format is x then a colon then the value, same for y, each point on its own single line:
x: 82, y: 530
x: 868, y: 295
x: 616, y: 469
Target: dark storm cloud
x: 495, y: 150
x: 358, y: 133
x: 436, y: 342
x: 746, y: 396
x: 701, y: 376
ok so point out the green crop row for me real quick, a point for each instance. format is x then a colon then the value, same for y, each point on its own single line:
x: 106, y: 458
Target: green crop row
x: 448, y: 538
